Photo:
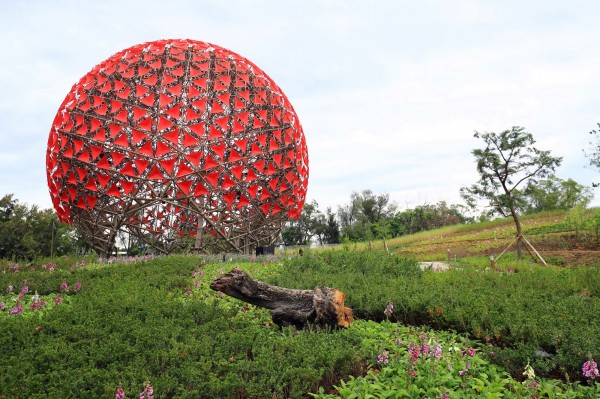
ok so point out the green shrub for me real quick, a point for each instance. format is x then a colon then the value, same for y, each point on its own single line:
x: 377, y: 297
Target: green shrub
x: 548, y: 315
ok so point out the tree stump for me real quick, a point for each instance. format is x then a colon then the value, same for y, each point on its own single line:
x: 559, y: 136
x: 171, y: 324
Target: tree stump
x: 322, y: 306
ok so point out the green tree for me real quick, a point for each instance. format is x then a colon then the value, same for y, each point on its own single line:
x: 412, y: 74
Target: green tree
x: 508, y: 160
x: 302, y: 230
x: 426, y: 217
x: 364, y: 210
x: 594, y: 152
x: 327, y: 228
x: 28, y: 232
x: 554, y: 193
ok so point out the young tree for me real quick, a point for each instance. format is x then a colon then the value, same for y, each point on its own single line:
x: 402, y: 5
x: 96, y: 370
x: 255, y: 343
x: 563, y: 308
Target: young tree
x: 594, y: 154
x: 508, y: 160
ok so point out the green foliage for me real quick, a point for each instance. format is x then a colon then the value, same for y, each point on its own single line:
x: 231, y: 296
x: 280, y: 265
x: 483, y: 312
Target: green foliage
x: 27, y: 232
x: 312, y: 223
x: 426, y: 217
x: 147, y: 321
x: 517, y: 312
x: 414, y: 363
x: 555, y: 194
x: 366, y: 209
x: 155, y: 319
x: 582, y: 220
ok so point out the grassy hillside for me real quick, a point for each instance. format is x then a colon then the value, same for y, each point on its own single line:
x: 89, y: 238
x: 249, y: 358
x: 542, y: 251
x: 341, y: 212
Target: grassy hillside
x: 550, y: 233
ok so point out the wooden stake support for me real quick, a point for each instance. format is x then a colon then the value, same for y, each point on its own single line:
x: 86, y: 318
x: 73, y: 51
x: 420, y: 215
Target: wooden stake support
x: 529, y: 248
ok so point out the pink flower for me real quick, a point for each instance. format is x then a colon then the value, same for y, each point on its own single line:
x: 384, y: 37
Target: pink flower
x: 64, y: 287
x: 389, y: 310
x: 147, y: 392
x: 2, y: 306
x: 383, y: 358
x: 414, y: 352
x: 120, y: 394
x: 77, y: 286
x: 50, y: 267
x: 58, y: 300
x: 24, y: 290
x: 590, y: 369
x: 470, y: 352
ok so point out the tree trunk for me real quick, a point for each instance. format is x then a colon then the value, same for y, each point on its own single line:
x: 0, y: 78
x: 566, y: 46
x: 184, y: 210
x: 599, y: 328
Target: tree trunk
x: 515, y: 216
x: 322, y: 306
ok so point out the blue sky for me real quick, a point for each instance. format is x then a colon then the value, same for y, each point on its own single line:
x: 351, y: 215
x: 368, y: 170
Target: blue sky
x: 389, y: 93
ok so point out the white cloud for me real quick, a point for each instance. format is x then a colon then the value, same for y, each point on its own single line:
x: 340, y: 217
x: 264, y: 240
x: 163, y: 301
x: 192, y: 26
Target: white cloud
x: 389, y: 96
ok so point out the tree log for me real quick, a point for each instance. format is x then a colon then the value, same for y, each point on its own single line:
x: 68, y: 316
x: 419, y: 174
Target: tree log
x: 322, y: 306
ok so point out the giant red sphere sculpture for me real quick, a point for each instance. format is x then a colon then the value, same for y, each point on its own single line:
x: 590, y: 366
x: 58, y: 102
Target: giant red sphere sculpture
x: 173, y: 142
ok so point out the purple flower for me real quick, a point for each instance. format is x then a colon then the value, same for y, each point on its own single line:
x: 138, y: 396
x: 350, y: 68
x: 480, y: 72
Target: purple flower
x: 438, y: 352
x: 64, y: 287
x: 77, y: 286
x: 197, y: 273
x: 24, y: 290
x: 590, y: 369
x: 2, y: 306
x: 383, y: 358
x: 16, y: 310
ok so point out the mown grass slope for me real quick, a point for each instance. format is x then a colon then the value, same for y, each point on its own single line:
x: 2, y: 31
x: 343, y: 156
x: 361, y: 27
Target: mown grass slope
x: 550, y: 233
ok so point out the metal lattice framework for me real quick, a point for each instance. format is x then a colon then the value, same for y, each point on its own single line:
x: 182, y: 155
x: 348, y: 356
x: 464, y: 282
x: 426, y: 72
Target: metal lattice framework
x: 173, y: 139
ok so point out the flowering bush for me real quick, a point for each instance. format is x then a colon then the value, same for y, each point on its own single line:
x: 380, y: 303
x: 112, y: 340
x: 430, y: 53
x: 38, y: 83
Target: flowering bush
x: 590, y: 370
x: 441, y: 365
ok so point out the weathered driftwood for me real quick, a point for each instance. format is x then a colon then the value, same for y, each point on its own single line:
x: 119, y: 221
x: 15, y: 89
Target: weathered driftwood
x: 322, y: 306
